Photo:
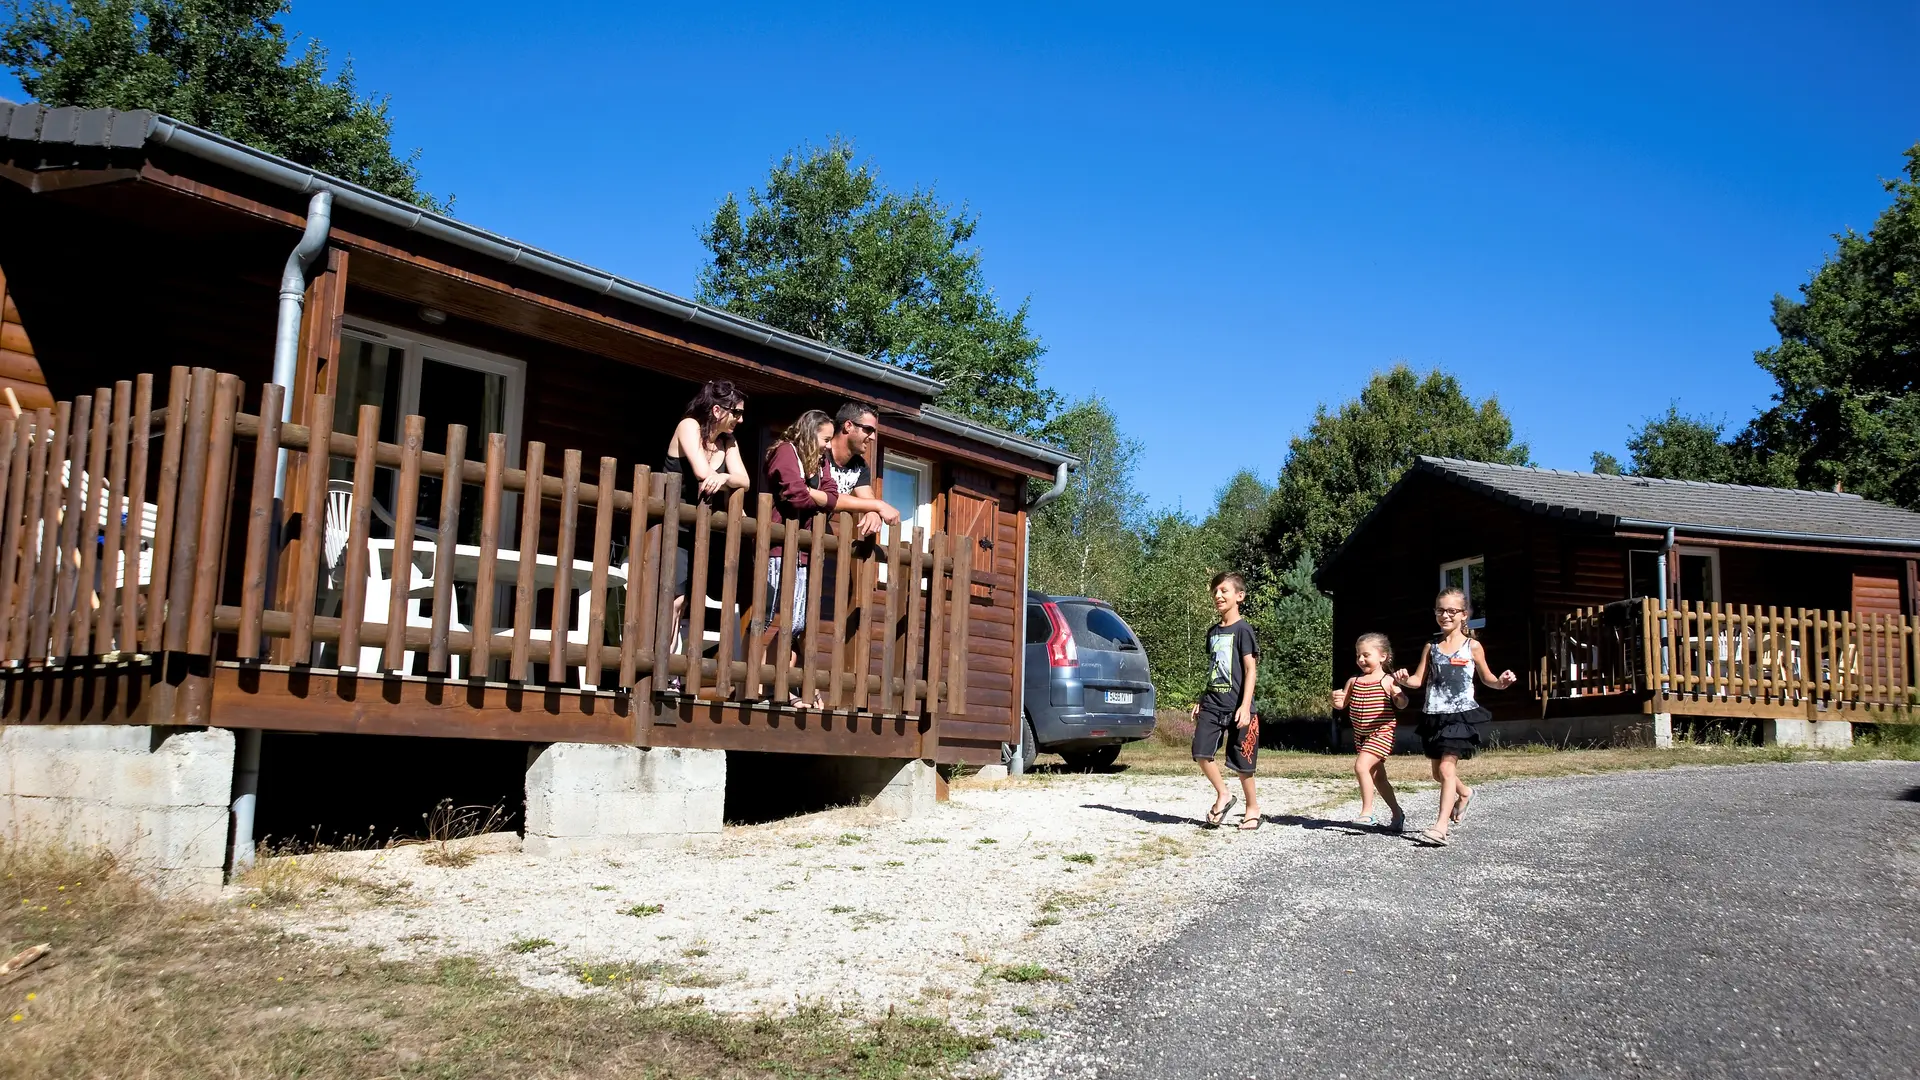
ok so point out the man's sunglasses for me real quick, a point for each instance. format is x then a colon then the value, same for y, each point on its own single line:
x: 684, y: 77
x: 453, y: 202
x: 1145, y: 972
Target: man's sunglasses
x: 868, y: 428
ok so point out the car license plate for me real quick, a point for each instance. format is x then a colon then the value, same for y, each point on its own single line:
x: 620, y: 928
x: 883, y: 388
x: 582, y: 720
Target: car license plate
x: 1119, y: 697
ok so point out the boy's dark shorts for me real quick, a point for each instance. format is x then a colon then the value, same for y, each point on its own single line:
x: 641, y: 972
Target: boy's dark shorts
x: 1243, y: 743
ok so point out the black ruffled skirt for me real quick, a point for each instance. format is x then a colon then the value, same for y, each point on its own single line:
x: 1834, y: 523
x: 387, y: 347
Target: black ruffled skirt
x: 1459, y: 734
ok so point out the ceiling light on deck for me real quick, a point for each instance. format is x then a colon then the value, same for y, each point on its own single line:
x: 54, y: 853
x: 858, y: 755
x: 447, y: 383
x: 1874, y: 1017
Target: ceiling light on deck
x: 432, y: 316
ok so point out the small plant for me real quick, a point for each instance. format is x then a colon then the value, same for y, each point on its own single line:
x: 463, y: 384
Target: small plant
x: 693, y: 954
x: 928, y: 840
x: 1079, y: 857
x: 848, y: 839
x: 803, y: 843
x: 986, y: 840
x: 893, y: 862
x: 1026, y: 973
x: 447, y: 824
x: 785, y: 886
x: 601, y: 888
x: 1046, y: 920
x: 531, y: 944
x: 641, y: 911
x: 839, y: 909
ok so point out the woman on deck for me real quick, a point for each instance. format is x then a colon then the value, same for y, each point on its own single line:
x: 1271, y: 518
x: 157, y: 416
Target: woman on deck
x: 706, y: 456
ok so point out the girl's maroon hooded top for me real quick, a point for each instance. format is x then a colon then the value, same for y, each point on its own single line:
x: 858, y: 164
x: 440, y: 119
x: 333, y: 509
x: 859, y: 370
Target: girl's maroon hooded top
x: 784, y: 477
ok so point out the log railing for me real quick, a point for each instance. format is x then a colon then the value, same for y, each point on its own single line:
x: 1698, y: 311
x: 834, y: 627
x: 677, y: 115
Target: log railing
x: 1771, y: 659
x: 119, y: 518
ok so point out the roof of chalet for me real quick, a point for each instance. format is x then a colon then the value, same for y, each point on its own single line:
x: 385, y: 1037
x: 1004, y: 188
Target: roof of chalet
x: 1689, y: 506
x: 39, y: 138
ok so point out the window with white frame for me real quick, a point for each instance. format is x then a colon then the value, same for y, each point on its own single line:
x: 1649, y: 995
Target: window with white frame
x: 907, y: 484
x: 405, y: 374
x: 1468, y: 575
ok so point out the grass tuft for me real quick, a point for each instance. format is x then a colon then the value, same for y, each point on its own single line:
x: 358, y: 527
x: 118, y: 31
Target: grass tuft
x: 532, y: 944
x: 1025, y: 973
x: 641, y: 911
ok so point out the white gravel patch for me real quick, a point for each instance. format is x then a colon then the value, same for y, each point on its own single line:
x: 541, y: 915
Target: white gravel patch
x: 834, y: 908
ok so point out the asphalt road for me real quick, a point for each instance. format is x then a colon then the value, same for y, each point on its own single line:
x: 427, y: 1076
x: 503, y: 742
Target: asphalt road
x: 1711, y: 922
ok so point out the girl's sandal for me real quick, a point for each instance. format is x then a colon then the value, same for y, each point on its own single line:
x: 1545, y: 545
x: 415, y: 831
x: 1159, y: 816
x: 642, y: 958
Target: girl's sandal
x: 1460, y: 808
x: 1429, y: 838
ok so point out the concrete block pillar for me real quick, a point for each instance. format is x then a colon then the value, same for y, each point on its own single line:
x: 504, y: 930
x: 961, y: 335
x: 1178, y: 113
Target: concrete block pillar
x: 156, y: 797
x: 583, y: 797
x: 1663, y: 731
x: 1832, y: 734
x: 891, y: 787
x: 1796, y: 734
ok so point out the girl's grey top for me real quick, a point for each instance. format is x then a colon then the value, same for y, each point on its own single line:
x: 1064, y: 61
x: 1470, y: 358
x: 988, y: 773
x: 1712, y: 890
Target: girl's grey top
x: 1449, y: 683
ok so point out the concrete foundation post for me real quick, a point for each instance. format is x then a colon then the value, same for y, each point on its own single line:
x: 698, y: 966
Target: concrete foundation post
x: 156, y: 797
x: 1832, y: 734
x: 1663, y: 731
x: 583, y: 797
x: 1790, y: 733
x: 890, y: 787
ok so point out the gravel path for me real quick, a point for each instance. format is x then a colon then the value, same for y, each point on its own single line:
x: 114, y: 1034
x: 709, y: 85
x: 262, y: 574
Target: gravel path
x: 1720, y: 922
x: 1069, y: 874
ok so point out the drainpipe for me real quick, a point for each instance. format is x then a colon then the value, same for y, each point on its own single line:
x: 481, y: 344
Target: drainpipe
x: 1016, y: 764
x: 286, y: 358
x: 1666, y: 552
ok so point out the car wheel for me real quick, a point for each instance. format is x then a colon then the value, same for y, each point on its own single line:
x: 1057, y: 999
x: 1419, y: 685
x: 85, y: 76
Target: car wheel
x: 1092, y: 760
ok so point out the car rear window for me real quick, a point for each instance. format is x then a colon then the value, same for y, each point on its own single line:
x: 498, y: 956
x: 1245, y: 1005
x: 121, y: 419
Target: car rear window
x: 1097, y: 627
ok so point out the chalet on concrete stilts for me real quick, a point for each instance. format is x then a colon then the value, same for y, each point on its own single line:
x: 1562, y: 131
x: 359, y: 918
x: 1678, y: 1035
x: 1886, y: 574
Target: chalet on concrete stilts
x: 467, y: 543
x: 1624, y: 601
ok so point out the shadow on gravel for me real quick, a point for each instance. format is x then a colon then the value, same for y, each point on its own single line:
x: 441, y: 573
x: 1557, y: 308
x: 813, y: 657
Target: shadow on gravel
x: 1154, y: 817
x: 1912, y: 794
x: 1348, y: 827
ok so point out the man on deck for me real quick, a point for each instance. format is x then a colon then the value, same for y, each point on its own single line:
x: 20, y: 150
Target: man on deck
x: 855, y: 439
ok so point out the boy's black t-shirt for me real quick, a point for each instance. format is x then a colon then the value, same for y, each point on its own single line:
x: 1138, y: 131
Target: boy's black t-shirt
x: 1226, y: 675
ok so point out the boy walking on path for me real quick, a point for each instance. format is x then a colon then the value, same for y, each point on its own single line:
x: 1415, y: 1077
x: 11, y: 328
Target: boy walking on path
x: 1224, y: 712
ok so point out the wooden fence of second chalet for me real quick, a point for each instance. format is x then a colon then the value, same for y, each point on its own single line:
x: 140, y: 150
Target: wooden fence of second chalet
x: 1728, y: 660
x: 121, y: 515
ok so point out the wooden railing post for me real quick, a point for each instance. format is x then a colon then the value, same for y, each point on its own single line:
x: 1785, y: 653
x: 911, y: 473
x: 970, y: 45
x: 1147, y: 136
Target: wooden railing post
x: 353, y: 609
x: 439, y: 648
x: 260, y: 524
x: 597, y: 584
x: 492, y: 495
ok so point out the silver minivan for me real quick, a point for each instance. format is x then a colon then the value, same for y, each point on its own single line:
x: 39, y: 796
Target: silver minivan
x: 1087, y: 688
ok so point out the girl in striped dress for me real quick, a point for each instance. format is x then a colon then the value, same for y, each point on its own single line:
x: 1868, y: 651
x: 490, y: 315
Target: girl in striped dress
x: 1370, y: 699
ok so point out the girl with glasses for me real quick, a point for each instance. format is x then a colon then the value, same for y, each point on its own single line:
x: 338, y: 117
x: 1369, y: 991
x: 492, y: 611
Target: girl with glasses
x: 1454, y: 720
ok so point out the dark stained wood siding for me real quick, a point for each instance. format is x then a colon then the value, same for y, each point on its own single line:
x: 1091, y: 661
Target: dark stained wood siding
x: 19, y: 367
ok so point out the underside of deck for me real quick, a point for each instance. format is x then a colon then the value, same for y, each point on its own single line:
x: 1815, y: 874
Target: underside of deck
x: 278, y: 698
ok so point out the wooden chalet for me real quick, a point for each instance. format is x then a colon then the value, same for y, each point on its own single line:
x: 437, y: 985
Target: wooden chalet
x: 1622, y: 595
x: 470, y: 539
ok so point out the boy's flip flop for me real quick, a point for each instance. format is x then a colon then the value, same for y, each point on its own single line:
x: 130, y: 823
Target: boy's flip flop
x: 1250, y: 824
x: 1219, y: 813
x: 1428, y: 839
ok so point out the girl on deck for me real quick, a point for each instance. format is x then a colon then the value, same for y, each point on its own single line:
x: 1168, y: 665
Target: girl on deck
x: 1453, y: 722
x: 1370, y: 699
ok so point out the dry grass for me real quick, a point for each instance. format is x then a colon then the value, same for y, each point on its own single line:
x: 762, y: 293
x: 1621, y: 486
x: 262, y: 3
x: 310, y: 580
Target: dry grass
x: 143, y: 987
x: 1152, y: 758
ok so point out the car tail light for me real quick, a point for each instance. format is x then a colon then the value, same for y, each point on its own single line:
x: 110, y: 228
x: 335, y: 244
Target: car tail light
x: 1061, y: 651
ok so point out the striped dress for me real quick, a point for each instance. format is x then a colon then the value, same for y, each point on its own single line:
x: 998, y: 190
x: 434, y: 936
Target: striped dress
x: 1370, y: 708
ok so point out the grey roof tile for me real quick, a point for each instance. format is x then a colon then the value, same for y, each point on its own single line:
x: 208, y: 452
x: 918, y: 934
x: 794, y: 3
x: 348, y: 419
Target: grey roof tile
x: 1685, y: 505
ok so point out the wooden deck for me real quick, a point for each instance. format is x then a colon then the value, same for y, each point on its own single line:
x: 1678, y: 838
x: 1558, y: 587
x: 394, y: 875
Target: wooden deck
x: 148, y: 576
x: 1722, y: 660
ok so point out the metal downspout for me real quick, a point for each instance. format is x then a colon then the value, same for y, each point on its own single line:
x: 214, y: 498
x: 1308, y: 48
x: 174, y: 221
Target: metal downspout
x: 286, y: 359
x: 1015, y: 763
x: 1666, y: 551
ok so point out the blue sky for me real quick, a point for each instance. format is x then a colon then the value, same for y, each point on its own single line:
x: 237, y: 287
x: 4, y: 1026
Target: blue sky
x: 1224, y: 217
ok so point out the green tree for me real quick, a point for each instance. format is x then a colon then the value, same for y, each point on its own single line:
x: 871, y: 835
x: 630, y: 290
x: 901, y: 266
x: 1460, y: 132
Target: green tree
x: 219, y: 64
x: 1087, y: 541
x: 826, y: 250
x: 1681, y: 447
x: 1606, y: 464
x: 1168, y: 606
x: 1293, y: 621
x: 1846, y: 409
x: 1338, y: 470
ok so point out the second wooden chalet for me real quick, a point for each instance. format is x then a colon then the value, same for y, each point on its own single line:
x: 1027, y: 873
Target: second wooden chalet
x: 1624, y: 600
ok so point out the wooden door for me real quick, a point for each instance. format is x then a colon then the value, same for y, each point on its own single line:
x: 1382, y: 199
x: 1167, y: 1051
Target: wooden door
x: 1880, y: 647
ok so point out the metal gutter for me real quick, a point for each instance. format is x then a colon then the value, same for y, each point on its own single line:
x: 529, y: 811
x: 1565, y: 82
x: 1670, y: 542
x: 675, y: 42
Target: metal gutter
x: 1770, y: 534
x: 279, y: 172
x: 941, y: 420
